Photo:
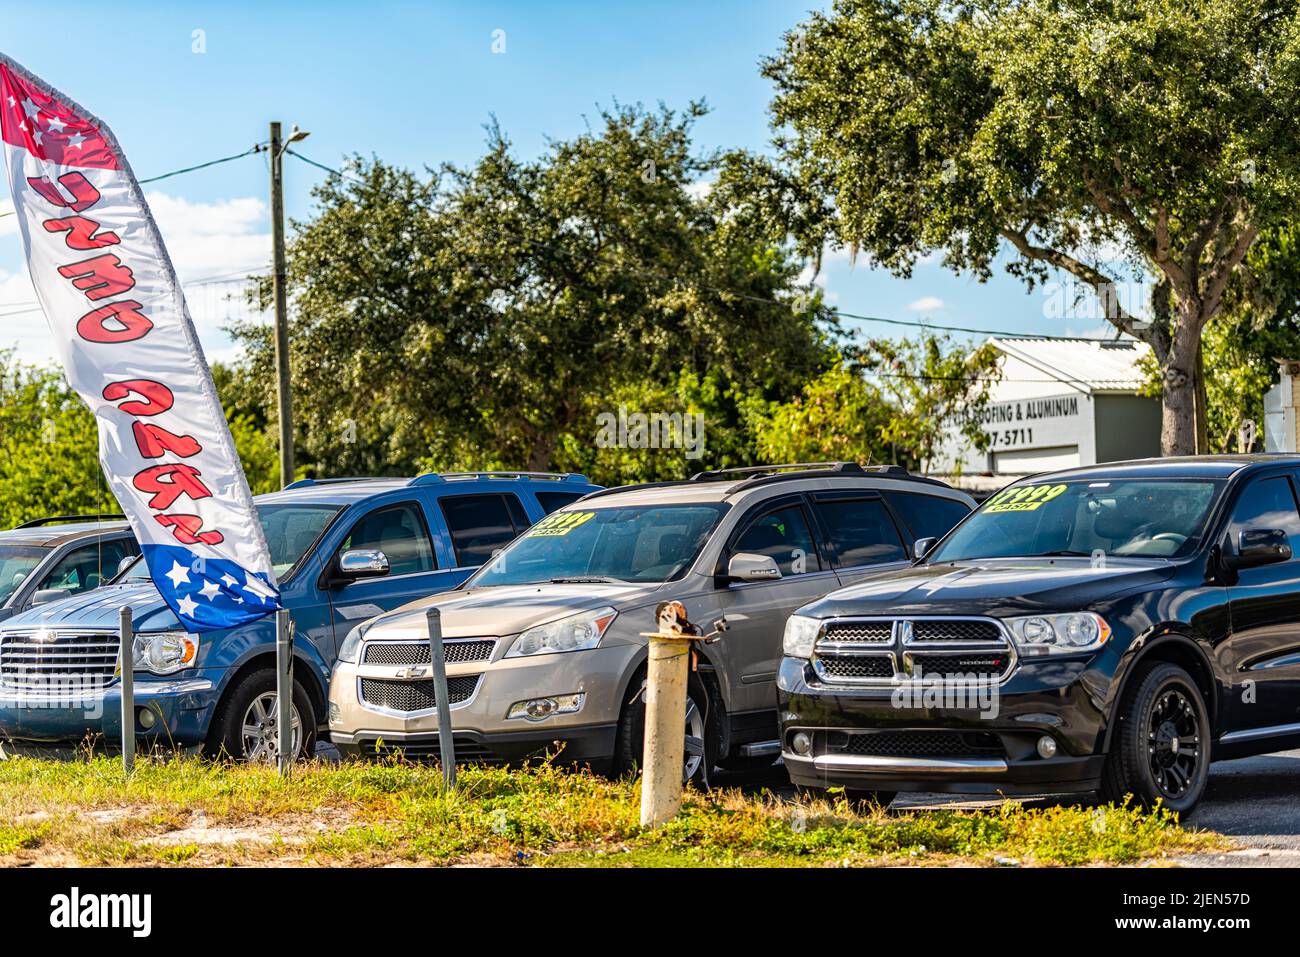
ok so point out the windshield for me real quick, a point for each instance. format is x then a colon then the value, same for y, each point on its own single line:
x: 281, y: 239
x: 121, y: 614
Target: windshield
x: 1152, y: 518
x: 633, y: 544
x: 16, y: 563
x: 290, y: 531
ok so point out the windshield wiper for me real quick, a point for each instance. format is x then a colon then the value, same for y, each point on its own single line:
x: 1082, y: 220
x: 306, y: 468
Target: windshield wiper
x: 584, y: 580
x: 1065, y: 553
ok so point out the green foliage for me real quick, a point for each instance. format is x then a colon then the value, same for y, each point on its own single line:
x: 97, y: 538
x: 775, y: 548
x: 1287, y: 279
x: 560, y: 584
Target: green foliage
x: 486, y: 315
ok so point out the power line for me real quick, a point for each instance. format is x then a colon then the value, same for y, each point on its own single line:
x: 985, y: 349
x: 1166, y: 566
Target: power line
x: 910, y: 323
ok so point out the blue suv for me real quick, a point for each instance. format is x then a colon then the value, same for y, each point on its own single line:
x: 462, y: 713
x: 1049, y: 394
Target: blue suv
x: 343, y: 551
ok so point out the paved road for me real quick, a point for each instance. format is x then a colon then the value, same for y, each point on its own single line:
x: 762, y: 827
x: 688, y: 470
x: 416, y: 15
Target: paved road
x: 1254, y: 801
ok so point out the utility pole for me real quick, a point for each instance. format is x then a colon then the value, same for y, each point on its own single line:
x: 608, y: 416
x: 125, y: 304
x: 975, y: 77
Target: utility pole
x: 284, y: 397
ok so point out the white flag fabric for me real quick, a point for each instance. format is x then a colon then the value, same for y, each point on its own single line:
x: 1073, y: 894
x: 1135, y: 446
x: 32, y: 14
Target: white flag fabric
x: 129, y: 349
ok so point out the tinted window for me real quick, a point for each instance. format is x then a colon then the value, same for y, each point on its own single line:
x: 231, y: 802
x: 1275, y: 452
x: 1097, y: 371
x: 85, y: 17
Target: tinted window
x: 480, y: 524
x: 86, y: 567
x: 550, y: 501
x: 16, y: 563
x: 860, y: 532
x: 399, y: 532
x: 1267, y: 503
x: 783, y: 536
x: 928, y: 516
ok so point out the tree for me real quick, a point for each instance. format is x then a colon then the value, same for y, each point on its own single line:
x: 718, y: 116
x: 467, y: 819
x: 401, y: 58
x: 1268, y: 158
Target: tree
x: 1052, y: 129
x: 482, y: 315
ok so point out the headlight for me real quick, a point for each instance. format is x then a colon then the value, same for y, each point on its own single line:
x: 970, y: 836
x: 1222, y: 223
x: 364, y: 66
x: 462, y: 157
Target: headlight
x: 565, y: 634
x: 1059, y: 634
x: 165, y: 652
x: 800, y: 633
x: 351, y: 645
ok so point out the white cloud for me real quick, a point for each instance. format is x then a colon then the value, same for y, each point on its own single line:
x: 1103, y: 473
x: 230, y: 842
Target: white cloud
x: 926, y: 304
x: 213, y: 247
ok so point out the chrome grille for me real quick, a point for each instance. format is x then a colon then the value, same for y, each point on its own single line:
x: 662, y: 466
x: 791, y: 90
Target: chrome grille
x: 855, y: 631
x: 417, y: 652
x: 407, y: 696
x: 35, y: 661
x: 890, y: 650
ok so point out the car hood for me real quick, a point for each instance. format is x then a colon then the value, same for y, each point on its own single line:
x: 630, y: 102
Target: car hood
x: 1000, y: 586
x: 98, y: 609
x: 507, y: 609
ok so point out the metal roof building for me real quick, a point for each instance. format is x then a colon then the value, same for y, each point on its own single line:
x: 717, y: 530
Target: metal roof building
x: 1060, y: 403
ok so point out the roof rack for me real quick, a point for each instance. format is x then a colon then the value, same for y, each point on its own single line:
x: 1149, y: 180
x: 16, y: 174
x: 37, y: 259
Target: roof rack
x: 56, y: 519
x: 721, y: 475
x: 309, y: 482
x: 755, y: 475
x: 433, y: 478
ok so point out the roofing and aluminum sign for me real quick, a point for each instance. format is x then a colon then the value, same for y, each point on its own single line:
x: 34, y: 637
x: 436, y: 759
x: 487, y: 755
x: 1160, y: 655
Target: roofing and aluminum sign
x: 129, y: 349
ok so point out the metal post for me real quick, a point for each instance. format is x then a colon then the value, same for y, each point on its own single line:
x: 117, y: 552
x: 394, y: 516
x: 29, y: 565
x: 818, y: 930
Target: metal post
x: 284, y: 691
x: 284, y: 396
x: 438, y: 656
x: 664, y: 749
x: 126, y: 634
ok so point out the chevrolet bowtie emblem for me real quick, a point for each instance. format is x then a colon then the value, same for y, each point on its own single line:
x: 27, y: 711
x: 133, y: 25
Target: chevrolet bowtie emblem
x: 416, y: 672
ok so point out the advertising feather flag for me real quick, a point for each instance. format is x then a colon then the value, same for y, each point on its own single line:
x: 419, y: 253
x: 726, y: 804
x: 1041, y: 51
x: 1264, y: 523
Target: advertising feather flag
x: 129, y: 349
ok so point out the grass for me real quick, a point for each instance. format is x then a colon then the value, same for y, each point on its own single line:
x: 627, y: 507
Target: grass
x: 179, y: 811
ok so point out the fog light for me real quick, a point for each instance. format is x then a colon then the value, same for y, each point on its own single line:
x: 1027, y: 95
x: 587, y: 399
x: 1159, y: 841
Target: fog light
x: 1046, y: 747
x: 801, y: 743
x: 336, y: 714
x: 146, y: 718
x: 539, y: 709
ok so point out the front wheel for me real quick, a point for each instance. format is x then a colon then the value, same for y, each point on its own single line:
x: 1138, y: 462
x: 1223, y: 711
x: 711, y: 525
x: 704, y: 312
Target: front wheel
x: 700, y: 750
x: 244, y: 727
x: 1161, y: 748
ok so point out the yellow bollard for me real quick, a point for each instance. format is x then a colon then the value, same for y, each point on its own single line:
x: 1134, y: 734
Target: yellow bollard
x: 664, y: 751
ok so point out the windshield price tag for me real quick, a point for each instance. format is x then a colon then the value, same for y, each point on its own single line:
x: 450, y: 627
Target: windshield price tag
x: 559, y: 523
x: 1023, y: 498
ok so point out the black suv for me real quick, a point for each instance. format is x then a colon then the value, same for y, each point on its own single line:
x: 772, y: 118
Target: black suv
x: 1109, y: 628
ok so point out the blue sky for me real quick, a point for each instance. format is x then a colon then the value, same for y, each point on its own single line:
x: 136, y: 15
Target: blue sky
x: 414, y: 83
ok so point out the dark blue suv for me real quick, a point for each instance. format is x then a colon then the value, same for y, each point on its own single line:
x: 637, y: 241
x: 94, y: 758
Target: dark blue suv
x: 343, y: 551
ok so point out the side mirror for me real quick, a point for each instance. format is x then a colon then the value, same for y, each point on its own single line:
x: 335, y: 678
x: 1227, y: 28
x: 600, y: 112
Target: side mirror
x: 748, y: 567
x: 923, y: 545
x: 1259, y: 546
x: 362, y: 563
x: 47, y: 595
x: 124, y: 564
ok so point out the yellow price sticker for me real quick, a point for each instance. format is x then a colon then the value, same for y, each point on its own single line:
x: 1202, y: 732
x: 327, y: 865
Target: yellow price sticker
x: 1023, y: 498
x: 559, y: 523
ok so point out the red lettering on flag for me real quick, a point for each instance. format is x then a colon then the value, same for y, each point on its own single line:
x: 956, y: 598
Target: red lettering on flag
x: 154, y: 441
x: 83, y: 193
x: 132, y: 324
x: 157, y: 397
x: 81, y: 232
x: 186, y: 529
x: 167, y: 483
x: 100, y: 276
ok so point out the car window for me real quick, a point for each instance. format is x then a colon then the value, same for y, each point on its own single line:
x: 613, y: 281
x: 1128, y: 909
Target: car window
x: 87, y: 566
x: 481, y: 524
x: 783, y: 536
x: 550, y: 501
x: 16, y: 563
x: 860, y: 532
x: 1267, y: 503
x: 928, y: 516
x: 399, y: 532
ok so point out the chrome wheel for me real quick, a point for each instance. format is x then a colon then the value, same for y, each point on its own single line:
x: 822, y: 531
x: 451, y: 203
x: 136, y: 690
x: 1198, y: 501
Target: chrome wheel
x: 1174, y: 742
x: 694, y: 753
x: 258, y: 732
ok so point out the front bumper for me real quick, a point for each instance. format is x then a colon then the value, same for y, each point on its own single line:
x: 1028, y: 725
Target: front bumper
x: 481, y: 729
x: 179, y: 707
x: 884, y: 739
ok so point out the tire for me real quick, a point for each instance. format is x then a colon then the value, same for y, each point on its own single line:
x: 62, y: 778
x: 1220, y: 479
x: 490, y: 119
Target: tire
x: 701, y: 753
x: 857, y: 799
x: 252, y: 696
x: 1150, y: 759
